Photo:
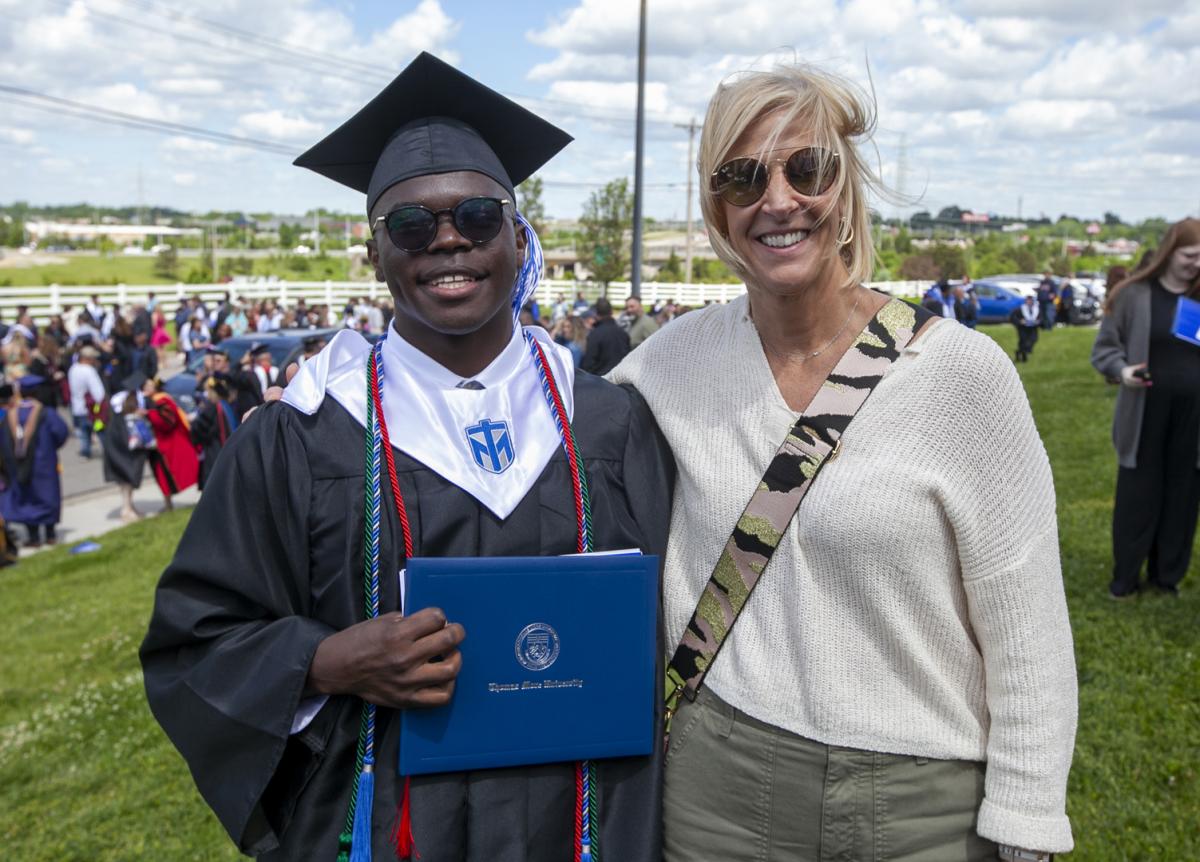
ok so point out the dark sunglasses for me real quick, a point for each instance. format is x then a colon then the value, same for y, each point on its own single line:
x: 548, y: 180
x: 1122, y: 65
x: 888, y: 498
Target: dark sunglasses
x: 412, y: 227
x: 740, y: 182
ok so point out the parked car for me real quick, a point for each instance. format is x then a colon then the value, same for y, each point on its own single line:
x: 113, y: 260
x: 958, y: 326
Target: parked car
x: 286, y: 346
x: 1086, y: 307
x: 996, y: 301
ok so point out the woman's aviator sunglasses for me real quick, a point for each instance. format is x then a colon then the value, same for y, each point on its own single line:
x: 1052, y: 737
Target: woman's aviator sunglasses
x: 412, y: 227
x: 809, y: 170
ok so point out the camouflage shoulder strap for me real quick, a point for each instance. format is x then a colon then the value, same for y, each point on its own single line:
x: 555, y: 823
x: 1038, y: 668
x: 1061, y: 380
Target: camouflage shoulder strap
x: 812, y: 442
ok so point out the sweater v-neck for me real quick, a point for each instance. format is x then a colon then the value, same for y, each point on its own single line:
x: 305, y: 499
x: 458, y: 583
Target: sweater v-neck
x: 748, y: 343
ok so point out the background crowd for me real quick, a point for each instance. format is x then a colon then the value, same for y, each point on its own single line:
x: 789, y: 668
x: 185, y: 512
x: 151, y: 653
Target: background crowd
x: 99, y: 370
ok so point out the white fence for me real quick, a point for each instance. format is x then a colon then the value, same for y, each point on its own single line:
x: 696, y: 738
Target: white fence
x: 53, y: 299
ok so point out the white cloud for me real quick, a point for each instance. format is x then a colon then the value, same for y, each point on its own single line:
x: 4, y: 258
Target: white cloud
x: 607, y: 95
x: 58, y: 165
x: 606, y: 67
x: 426, y: 28
x: 277, y: 125
x: 685, y: 28
x: 129, y: 99
x: 20, y: 137
x: 189, y: 86
x: 182, y: 150
x: 1040, y: 118
x: 56, y: 34
x: 980, y: 91
x: 184, y: 178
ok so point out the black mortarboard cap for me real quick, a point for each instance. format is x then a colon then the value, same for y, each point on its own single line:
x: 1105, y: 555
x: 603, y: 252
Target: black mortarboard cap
x: 433, y: 119
x: 259, y: 349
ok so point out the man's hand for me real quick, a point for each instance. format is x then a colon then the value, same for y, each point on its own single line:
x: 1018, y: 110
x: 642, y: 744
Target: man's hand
x: 274, y: 393
x: 392, y: 661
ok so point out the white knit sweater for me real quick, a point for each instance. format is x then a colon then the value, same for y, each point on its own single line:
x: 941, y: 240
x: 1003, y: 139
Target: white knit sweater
x: 915, y: 605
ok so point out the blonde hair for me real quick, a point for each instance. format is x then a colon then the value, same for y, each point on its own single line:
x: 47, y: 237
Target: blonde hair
x: 838, y: 112
x: 1181, y: 234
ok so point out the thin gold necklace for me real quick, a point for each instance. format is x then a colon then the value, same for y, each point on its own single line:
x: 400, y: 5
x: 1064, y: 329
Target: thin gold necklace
x: 807, y: 356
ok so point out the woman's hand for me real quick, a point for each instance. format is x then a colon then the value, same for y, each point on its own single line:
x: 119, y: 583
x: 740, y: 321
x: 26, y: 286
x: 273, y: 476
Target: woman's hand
x: 392, y: 661
x: 1131, y: 377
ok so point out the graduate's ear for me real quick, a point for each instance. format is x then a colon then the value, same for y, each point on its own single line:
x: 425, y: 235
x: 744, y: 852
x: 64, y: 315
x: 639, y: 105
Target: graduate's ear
x: 373, y: 257
x: 522, y: 243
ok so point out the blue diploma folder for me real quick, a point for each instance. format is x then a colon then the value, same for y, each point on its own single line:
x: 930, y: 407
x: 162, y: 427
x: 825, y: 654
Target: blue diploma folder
x: 558, y: 662
x: 1187, y: 320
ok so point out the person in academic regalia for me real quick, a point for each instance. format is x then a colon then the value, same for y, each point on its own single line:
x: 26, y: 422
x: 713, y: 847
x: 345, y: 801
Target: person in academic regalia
x: 177, y: 466
x: 260, y: 654
x: 215, y: 421
x: 254, y: 377
x: 1026, y: 318
x: 126, y: 452
x: 30, y: 437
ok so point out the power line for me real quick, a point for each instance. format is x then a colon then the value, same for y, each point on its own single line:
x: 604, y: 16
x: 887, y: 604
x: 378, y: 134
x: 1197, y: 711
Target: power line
x: 208, y: 43
x: 246, y: 35
x: 43, y: 101
x: 295, y: 57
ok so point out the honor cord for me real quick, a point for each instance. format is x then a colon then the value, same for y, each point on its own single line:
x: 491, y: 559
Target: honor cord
x: 378, y: 443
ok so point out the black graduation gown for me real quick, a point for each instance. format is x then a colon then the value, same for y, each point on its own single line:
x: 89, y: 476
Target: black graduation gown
x: 249, y: 388
x: 271, y: 563
x: 210, y: 431
x: 122, y: 464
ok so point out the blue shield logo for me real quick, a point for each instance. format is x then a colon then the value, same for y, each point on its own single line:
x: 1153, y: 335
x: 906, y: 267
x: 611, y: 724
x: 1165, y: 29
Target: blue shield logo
x: 491, y: 445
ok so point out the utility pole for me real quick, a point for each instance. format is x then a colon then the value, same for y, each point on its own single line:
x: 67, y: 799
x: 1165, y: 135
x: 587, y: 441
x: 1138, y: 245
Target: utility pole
x: 1020, y: 200
x: 635, y: 277
x: 216, y: 263
x: 902, y: 170
x: 141, y: 211
x: 687, y: 260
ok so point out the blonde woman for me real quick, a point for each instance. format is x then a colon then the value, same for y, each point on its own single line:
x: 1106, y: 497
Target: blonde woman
x: 901, y: 683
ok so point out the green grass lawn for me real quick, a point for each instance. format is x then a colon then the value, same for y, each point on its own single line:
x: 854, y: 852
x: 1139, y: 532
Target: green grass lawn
x: 122, y: 269
x: 86, y: 269
x: 85, y: 773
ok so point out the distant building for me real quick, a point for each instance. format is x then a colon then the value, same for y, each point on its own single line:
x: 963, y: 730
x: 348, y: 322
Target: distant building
x: 38, y: 230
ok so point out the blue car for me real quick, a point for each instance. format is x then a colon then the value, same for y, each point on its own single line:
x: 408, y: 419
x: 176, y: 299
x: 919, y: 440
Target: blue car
x: 996, y: 302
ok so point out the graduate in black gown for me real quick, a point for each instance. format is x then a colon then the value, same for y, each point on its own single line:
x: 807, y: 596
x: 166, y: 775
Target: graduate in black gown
x: 257, y: 659
x: 215, y: 421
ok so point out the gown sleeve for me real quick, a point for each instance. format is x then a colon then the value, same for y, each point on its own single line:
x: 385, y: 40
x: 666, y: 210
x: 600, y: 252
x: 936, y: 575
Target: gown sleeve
x: 649, y: 474
x: 631, y: 804
x: 56, y: 428
x: 233, y: 605
x: 161, y: 417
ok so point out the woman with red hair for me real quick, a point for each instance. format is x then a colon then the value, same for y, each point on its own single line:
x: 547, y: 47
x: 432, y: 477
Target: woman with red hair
x: 1156, y: 426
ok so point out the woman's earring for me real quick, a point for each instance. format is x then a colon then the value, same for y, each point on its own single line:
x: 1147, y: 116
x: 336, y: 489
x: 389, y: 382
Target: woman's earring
x: 845, y: 227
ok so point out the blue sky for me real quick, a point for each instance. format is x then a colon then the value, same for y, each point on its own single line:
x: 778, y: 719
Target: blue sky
x: 1076, y: 106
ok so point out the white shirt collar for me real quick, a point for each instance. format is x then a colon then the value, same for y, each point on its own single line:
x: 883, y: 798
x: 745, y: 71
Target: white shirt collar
x: 431, y: 419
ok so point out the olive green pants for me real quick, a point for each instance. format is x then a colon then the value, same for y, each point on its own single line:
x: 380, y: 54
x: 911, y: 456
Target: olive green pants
x: 740, y: 789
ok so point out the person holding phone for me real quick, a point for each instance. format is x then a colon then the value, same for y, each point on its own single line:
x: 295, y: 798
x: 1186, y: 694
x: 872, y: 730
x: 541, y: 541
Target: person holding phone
x: 1156, y: 424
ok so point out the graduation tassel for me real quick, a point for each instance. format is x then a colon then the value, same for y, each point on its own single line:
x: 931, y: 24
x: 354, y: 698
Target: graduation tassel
x: 402, y: 836
x: 360, y: 837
